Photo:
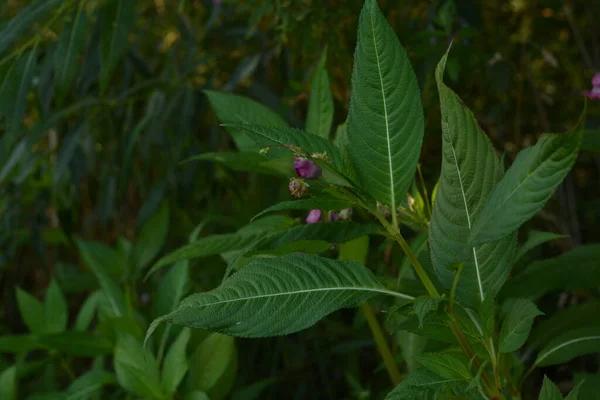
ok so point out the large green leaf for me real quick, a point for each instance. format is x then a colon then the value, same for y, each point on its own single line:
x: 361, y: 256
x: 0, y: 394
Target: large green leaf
x: 233, y: 109
x: 470, y: 169
x: 526, y: 186
x: 320, y: 105
x: 385, y: 120
x: 176, y: 364
x: 119, y: 21
x: 520, y: 314
x: 447, y: 365
x: 421, y: 382
x: 277, y: 296
x: 575, y: 269
x: 569, y: 345
x: 66, y: 57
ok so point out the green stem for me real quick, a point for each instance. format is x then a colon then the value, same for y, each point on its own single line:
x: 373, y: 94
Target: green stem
x: 163, y: 344
x: 382, y: 345
x: 454, y: 286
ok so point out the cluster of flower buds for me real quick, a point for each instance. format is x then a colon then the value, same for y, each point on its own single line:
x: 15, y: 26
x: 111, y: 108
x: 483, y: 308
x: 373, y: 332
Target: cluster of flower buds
x: 305, y: 169
x: 595, y: 92
x: 314, y: 216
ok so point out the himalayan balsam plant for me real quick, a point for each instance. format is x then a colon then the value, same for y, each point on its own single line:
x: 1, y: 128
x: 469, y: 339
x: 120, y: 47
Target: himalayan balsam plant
x: 276, y: 282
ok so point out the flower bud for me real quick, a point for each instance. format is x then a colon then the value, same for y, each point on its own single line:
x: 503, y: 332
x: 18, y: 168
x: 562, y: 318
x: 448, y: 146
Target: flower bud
x: 298, y: 187
x: 346, y: 214
x: 307, y: 169
x: 333, y: 216
x: 313, y: 217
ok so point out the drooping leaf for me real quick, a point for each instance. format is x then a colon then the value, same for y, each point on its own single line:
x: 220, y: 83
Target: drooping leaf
x: 446, y: 365
x: 55, y: 309
x: 470, y: 169
x: 211, y: 360
x: 385, y: 120
x: 550, y: 391
x: 520, y: 314
x: 282, y: 137
x: 569, y: 345
x: 119, y: 21
x: 535, y: 239
x: 270, y: 296
x: 66, y: 58
x: 320, y: 105
x: 32, y: 312
x: 307, y: 204
x: 576, y: 269
x: 233, y: 109
x: 152, y: 237
x: 526, y: 186
x: 136, y: 368
x: 176, y: 364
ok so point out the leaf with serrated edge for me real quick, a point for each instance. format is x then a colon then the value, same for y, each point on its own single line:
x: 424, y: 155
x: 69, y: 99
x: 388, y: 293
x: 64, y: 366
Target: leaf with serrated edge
x: 526, y: 186
x: 385, y: 120
x: 278, y: 296
x: 470, y: 169
x: 517, y: 324
x: 446, y: 365
x: 550, y: 391
x: 569, y: 345
x: 320, y: 105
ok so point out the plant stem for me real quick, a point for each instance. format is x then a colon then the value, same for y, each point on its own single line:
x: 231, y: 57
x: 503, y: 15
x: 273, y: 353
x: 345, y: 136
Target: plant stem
x: 382, y: 345
x: 395, y: 233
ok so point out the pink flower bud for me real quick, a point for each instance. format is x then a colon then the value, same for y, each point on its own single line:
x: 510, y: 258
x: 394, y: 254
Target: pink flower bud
x: 307, y: 169
x: 333, y: 216
x: 593, y: 94
x: 298, y: 187
x: 314, y: 216
x: 596, y: 80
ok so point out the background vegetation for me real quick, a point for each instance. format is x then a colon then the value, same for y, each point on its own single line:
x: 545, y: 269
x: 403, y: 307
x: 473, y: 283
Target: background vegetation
x: 102, y: 100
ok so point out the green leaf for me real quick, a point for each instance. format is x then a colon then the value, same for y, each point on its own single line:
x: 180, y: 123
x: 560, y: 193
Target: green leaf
x: 136, y: 368
x: 385, y: 120
x: 589, y: 385
x: 320, y: 105
x: 355, y: 250
x: 32, y: 312
x: 93, y: 257
x: 77, y: 343
x: 18, y: 344
x: 470, y: 168
x: 196, y: 395
x: 26, y: 67
x: 66, y: 58
x: 574, y: 393
x: 550, y: 391
x: 152, y: 237
x: 270, y: 296
x: 242, y: 161
x: 423, y: 306
x: 569, y: 345
x: 171, y: 289
x: 233, y: 109
x: 8, y: 383
x: 176, y: 364
x: 446, y: 365
x: 526, y: 186
x: 571, y: 318
x: 87, y: 311
x: 307, y: 204
x: 211, y: 360
x: 419, y: 383
x: 89, y: 383
x: 341, y: 140
x: 535, y: 239
x: 545, y: 276
x: 23, y: 21
x: 265, y: 136
x: 55, y: 309
x: 520, y: 314
x: 591, y: 141
x: 119, y: 21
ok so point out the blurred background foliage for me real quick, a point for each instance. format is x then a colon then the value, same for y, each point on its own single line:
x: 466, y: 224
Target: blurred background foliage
x: 102, y: 100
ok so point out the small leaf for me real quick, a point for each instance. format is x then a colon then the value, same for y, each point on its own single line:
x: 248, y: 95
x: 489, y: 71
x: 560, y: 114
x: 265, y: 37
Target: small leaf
x: 527, y: 186
x: 589, y: 386
x: 171, y: 289
x: 233, y: 109
x: 211, y: 360
x: 32, y: 312
x: 268, y: 297
x: 87, y: 311
x: 119, y: 21
x: 152, y: 237
x: 88, y: 383
x: 385, y: 120
x: 66, y: 58
x: 446, y: 365
x: 470, y: 169
x: 136, y: 368
x: 535, y: 239
x: 423, y: 306
x: 550, y: 391
x: 320, y: 105
x: 355, y: 250
x: 55, y: 309
x: 176, y: 364
x: 520, y: 314
x: 8, y: 383
x: 569, y: 345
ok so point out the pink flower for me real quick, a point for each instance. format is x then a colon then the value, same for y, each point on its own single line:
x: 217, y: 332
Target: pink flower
x: 306, y: 168
x: 596, y: 80
x: 314, y: 216
x: 594, y: 94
